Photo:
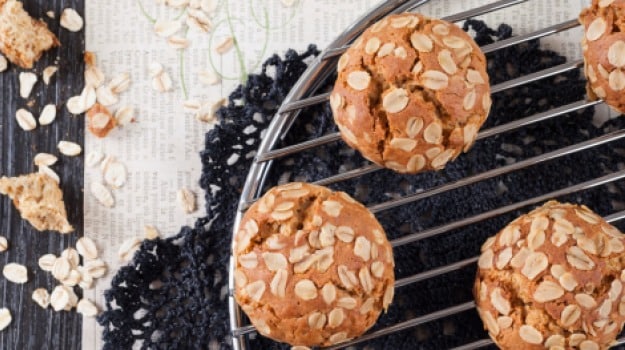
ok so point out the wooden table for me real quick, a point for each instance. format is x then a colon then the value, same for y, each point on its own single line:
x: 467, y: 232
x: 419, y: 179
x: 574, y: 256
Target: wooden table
x: 32, y: 326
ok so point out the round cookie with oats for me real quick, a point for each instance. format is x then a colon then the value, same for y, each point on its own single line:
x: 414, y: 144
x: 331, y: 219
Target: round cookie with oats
x: 553, y: 279
x: 313, y: 267
x: 603, y: 46
x: 411, y: 93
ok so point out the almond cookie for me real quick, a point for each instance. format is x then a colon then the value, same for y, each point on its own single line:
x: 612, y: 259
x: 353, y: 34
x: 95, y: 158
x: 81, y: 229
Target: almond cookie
x: 603, y: 46
x: 313, y: 267
x: 412, y: 93
x: 553, y: 279
x: 22, y: 38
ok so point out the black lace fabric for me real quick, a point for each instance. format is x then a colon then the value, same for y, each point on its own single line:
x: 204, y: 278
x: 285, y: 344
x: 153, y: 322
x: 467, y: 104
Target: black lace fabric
x: 174, y: 293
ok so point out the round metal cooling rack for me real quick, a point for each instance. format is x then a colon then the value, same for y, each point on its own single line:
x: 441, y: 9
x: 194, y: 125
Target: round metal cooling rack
x: 304, y: 95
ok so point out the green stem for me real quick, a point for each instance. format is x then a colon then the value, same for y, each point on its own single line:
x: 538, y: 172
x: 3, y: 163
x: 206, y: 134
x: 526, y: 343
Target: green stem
x: 236, y: 45
x: 182, y: 80
x: 145, y: 13
x: 262, y: 53
x: 180, y: 15
x: 266, y: 25
x: 210, y: 55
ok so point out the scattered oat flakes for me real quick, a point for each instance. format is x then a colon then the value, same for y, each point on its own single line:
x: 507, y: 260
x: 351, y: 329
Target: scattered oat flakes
x: 287, y: 3
x: 120, y: 83
x: 93, y: 158
x: 155, y: 69
x: 60, y: 298
x: 48, y: 73
x: 72, y: 279
x: 4, y: 244
x: 87, y: 308
x: 46, y: 262
x: 71, y: 255
x: 75, y: 105
x: 105, y: 96
x: 62, y: 268
x: 25, y: 120
x: 41, y: 297
x: 125, y: 115
x: 128, y: 248
x: 48, y: 114
x: 225, y: 45
x: 186, y: 199
x: 95, y: 268
x: 71, y: 20
x: 191, y: 106
x: 27, y: 81
x: 102, y: 194
x: 209, y: 77
x: 162, y: 82
x: 68, y: 148
x: 165, y: 29
x: 5, y: 318
x: 94, y: 76
x: 87, y: 248
x: 44, y: 169
x: 115, y: 174
x: 150, y: 232
x: 15, y: 273
x: 50, y: 14
x: 208, y: 111
x: 198, y: 20
x: 178, y: 42
x: 4, y: 64
x: 45, y: 159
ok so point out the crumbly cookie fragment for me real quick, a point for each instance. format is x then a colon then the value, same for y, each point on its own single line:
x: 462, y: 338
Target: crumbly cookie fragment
x: 39, y: 200
x: 603, y: 46
x: 22, y: 38
x: 411, y: 93
x: 553, y: 279
x: 313, y: 267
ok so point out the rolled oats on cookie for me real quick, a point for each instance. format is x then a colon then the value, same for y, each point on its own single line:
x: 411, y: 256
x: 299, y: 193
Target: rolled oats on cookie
x: 313, y: 267
x: 553, y: 279
x: 412, y: 93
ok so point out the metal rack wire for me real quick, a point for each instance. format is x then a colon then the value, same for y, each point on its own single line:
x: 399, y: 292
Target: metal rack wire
x: 304, y: 95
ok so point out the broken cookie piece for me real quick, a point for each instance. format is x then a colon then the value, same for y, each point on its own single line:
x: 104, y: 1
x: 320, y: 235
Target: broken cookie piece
x: 22, y: 38
x: 39, y: 200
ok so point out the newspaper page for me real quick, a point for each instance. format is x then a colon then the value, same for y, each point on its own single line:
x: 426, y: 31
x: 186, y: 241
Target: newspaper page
x: 160, y: 148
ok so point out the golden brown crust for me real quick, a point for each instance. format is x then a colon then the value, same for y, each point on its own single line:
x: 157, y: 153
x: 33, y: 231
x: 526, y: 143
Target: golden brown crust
x: 603, y: 45
x: 22, y: 38
x: 553, y: 277
x: 412, y: 93
x: 313, y: 267
x: 39, y: 200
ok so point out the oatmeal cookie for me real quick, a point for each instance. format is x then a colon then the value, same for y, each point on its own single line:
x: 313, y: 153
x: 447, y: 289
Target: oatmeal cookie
x: 313, y: 267
x: 411, y: 93
x: 553, y: 279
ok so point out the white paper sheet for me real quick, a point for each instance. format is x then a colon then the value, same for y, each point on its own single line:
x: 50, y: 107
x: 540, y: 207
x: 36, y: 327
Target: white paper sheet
x: 161, y: 149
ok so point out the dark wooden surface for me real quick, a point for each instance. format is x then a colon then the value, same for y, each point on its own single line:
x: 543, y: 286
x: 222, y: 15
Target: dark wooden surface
x: 32, y: 326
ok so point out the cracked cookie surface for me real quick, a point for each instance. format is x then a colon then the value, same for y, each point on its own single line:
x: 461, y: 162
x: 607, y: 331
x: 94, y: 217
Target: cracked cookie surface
x: 313, y: 267
x: 603, y: 46
x: 411, y: 93
x: 553, y: 279
x: 39, y: 200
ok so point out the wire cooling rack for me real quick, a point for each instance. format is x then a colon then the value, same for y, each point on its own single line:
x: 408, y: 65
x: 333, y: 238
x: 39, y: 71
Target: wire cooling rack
x: 304, y: 94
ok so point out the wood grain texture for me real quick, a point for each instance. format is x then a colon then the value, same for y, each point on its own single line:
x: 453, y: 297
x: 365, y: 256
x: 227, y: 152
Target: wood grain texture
x: 32, y: 326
